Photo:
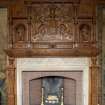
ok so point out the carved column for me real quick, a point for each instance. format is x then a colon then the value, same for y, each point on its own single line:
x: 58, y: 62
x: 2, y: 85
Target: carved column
x: 94, y: 79
x: 10, y: 74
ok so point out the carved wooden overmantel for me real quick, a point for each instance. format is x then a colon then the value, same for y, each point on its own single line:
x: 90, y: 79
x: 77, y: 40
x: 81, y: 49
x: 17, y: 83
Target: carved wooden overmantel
x: 52, y: 28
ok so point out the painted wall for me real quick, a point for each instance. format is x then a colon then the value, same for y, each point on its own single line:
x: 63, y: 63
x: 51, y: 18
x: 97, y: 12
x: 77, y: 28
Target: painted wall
x: 101, y: 39
x: 3, y: 45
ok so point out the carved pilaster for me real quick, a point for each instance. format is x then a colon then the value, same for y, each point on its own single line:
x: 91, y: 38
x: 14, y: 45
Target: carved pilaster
x: 94, y: 88
x: 10, y: 74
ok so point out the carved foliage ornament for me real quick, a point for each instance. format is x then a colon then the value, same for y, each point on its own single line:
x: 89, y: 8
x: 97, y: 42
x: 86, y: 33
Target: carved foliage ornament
x: 52, y: 22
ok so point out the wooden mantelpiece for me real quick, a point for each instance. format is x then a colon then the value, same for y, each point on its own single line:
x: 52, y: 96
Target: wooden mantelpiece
x: 86, y: 52
x: 61, y: 29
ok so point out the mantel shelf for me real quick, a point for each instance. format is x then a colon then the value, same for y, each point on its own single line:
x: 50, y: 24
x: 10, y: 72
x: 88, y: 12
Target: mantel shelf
x: 75, y: 52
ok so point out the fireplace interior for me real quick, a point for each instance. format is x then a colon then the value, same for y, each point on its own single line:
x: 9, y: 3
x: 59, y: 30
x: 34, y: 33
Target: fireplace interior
x: 52, y: 91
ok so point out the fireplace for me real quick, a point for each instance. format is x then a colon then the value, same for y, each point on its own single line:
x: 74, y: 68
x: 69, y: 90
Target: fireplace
x: 42, y: 81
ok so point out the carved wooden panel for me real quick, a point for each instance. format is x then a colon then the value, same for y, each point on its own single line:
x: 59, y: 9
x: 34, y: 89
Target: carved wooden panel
x: 19, y: 33
x: 18, y: 10
x: 86, y: 9
x: 86, y: 32
x: 51, y: 25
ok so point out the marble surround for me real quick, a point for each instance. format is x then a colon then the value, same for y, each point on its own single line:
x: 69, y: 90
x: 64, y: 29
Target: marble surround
x: 53, y: 64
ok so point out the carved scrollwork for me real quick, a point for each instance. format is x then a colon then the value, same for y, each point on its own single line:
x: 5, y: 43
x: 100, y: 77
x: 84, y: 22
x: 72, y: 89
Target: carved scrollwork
x: 85, y: 32
x: 20, y: 31
x: 53, y: 23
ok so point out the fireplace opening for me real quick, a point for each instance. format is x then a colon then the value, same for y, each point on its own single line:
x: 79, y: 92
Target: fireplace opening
x: 52, y: 90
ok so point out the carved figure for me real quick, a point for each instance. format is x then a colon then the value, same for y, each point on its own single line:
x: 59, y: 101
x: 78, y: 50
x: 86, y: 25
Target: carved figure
x: 20, y: 32
x: 85, y: 32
